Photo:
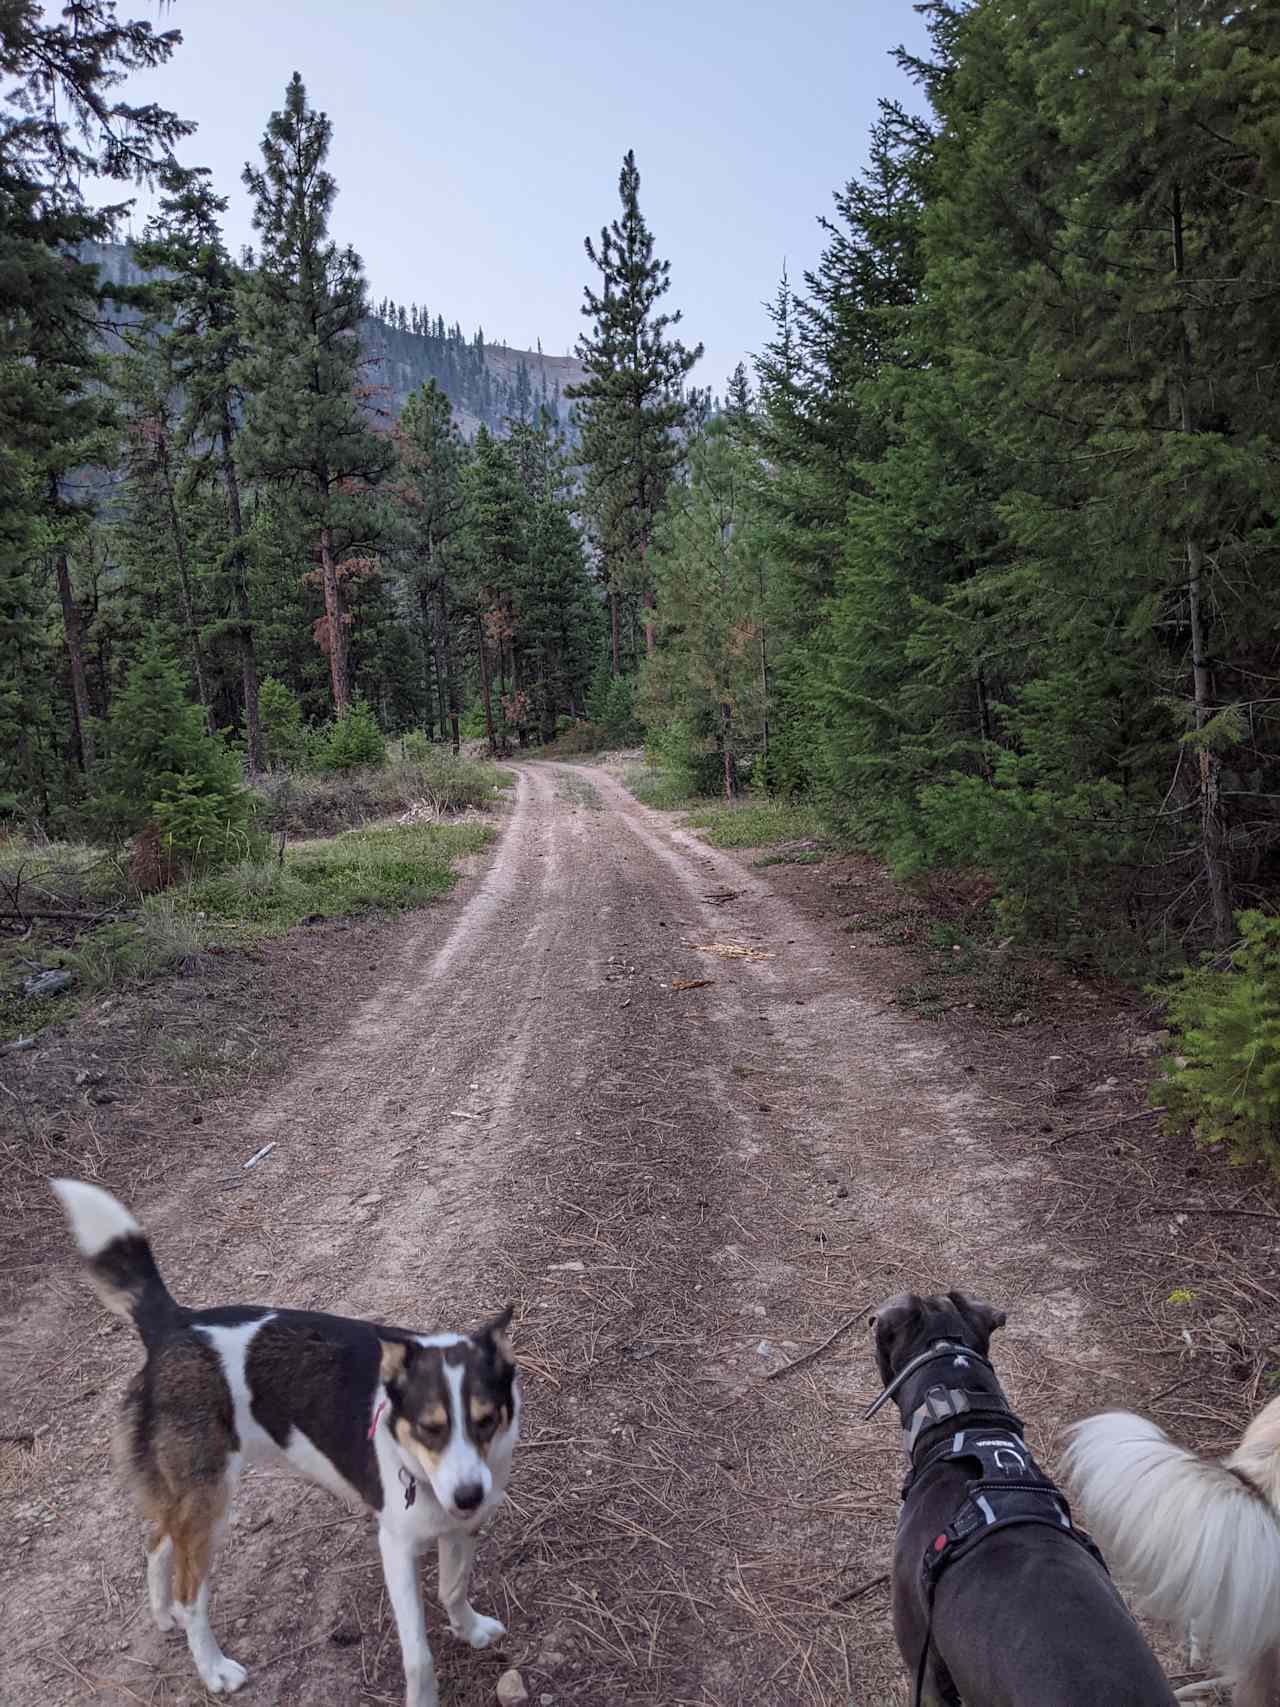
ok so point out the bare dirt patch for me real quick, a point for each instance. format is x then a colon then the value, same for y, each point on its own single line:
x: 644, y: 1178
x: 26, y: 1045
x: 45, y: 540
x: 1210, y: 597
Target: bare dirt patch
x: 690, y: 1170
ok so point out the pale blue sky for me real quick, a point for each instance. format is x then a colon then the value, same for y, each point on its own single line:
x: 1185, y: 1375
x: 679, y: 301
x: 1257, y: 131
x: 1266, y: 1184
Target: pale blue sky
x: 476, y: 145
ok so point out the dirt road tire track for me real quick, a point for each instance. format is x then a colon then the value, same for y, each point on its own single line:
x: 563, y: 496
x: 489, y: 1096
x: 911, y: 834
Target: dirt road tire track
x: 683, y: 1190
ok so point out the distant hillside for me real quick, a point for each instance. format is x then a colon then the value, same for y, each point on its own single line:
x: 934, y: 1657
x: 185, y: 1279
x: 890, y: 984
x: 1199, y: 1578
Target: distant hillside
x: 486, y: 383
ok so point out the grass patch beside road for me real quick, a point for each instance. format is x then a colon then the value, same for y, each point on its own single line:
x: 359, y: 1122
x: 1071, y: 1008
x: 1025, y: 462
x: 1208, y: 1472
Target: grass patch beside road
x: 140, y: 938
x: 755, y: 823
x: 388, y: 869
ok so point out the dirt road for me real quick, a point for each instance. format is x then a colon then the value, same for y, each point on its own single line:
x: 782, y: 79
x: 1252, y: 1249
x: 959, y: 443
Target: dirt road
x: 683, y: 1190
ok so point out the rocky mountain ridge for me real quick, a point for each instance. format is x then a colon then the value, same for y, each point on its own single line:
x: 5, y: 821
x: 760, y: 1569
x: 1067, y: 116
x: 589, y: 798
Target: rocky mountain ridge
x: 487, y: 384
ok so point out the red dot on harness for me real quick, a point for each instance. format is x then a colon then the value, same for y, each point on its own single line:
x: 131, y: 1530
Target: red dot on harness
x: 939, y: 1544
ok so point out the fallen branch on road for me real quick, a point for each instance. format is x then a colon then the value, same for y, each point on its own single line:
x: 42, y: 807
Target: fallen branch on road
x: 862, y: 1588
x: 817, y: 1351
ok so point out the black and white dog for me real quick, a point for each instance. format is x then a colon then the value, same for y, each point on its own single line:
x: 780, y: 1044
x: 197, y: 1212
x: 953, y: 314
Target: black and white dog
x: 418, y: 1427
x: 997, y: 1600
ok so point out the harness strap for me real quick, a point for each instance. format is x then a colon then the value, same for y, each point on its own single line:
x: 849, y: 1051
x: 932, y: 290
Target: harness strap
x: 939, y: 1405
x: 1011, y: 1490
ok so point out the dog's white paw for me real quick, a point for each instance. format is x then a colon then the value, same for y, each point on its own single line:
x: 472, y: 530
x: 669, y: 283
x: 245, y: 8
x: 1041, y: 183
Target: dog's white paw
x: 164, y: 1618
x: 481, y: 1631
x: 225, y: 1676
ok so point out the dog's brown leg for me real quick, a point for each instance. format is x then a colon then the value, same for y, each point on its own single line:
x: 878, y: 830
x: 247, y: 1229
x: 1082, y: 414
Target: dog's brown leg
x: 193, y: 1525
x: 160, y: 1576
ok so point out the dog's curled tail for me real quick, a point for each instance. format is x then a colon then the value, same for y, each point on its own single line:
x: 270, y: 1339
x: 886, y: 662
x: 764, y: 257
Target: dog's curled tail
x: 121, y: 1266
x: 1196, y: 1539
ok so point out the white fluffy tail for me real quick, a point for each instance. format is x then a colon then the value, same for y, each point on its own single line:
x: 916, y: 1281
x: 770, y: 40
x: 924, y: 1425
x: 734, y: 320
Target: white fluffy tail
x: 96, y: 1217
x: 1198, y: 1544
x: 121, y: 1266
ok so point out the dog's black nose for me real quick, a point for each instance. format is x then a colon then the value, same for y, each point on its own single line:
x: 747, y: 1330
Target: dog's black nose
x: 468, y: 1496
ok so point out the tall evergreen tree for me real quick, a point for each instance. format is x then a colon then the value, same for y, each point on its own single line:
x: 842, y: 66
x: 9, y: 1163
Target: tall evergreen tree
x: 306, y: 429
x: 61, y: 126
x: 155, y: 526
x: 429, y: 491
x: 496, y: 521
x: 559, y: 616
x: 199, y: 328
x: 707, y: 674
x: 631, y: 406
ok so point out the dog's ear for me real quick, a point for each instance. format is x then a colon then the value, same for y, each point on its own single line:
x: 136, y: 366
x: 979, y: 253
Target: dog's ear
x: 895, y: 1323
x: 984, y: 1319
x: 397, y: 1355
x: 494, y: 1333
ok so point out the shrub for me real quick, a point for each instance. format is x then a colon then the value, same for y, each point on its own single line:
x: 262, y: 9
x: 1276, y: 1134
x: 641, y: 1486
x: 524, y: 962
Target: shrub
x: 417, y: 747
x: 164, y: 768
x: 352, y: 741
x: 204, y: 820
x: 575, y: 736
x: 611, y: 704
x: 284, y: 735
x: 1226, y: 1083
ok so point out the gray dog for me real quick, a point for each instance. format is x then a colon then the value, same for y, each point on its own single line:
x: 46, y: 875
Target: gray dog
x: 998, y: 1600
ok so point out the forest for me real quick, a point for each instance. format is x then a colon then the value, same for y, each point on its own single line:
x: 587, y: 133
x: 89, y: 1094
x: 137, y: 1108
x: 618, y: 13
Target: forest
x: 978, y: 556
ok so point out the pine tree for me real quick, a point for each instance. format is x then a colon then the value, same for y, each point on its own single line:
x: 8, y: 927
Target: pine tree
x: 154, y: 527
x: 62, y: 126
x: 557, y: 614
x: 160, y: 755
x: 631, y: 406
x: 28, y: 696
x: 496, y: 544
x: 705, y: 676
x: 197, y: 292
x: 428, y: 491
x: 305, y: 429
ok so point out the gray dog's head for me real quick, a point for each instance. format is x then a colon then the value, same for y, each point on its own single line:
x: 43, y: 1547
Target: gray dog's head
x: 907, y: 1324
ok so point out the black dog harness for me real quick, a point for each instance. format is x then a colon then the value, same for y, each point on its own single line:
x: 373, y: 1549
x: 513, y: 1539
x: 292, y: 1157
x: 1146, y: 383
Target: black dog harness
x: 1010, y: 1487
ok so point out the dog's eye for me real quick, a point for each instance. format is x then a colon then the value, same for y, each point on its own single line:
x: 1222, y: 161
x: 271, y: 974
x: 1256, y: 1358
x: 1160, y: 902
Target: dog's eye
x: 432, y: 1434
x: 484, y: 1426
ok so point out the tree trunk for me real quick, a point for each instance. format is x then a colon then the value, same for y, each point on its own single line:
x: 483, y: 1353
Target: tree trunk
x: 73, y: 633
x: 764, y: 699
x: 449, y: 675
x: 184, y: 586
x: 484, y: 689
x: 434, y: 688
x: 649, y: 606
x: 1213, y: 832
x: 614, y: 632
x: 336, y: 618
x: 726, y: 748
x: 439, y: 651
x: 240, y: 591
x: 1214, y: 843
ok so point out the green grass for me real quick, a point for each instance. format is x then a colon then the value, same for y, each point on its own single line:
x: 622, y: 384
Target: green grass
x: 359, y: 872
x: 750, y: 822
x: 755, y: 823
x: 362, y: 871
x: 660, y: 789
